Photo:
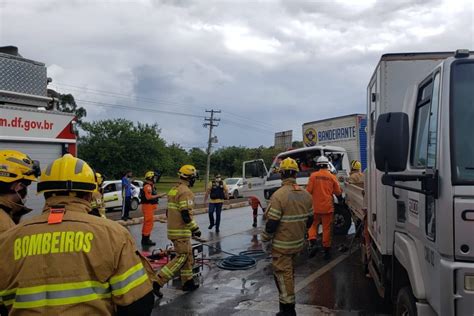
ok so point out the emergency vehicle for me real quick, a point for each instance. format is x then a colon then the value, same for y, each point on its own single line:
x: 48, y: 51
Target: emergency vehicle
x: 29, y: 119
x: 419, y: 192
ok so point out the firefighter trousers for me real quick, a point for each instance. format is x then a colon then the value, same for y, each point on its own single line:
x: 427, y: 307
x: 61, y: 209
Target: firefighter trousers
x: 327, y: 220
x: 283, y: 272
x: 148, y: 218
x: 183, y: 263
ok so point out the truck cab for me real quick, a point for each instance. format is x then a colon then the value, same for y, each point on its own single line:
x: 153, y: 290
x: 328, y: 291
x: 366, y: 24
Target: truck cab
x: 262, y: 182
x: 420, y: 189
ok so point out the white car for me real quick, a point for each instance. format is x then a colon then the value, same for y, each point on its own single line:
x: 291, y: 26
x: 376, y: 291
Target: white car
x: 113, y: 194
x: 234, y: 186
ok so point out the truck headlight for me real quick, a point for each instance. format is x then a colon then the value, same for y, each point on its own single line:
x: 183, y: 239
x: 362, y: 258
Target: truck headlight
x: 469, y: 282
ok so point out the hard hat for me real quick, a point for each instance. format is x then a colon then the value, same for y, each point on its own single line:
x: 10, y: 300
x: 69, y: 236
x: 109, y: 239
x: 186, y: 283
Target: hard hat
x: 15, y: 165
x: 187, y: 171
x: 323, y: 160
x: 289, y: 164
x: 67, y: 173
x: 356, y: 165
x: 99, y: 178
x: 149, y: 175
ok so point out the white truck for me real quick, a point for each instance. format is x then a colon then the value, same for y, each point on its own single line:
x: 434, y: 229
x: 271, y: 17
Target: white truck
x: 262, y: 183
x: 419, y: 190
x: 28, y: 121
x: 348, y: 132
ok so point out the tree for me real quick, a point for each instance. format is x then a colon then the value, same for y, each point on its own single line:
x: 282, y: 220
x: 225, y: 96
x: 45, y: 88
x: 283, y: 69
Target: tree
x: 198, y: 157
x: 114, y: 146
x: 176, y: 157
x: 68, y: 104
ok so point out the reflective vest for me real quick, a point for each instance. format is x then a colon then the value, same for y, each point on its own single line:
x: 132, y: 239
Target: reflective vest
x: 217, y: 191
x: 291, y: 206
x: 151, y: 191
x: 82, y: 265
x: 180, y: 198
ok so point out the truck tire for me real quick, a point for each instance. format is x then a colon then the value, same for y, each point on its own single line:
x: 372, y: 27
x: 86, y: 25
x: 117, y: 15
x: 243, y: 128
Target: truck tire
x: 342, y: 220
x: 134, y: 204
x: 406, y: 303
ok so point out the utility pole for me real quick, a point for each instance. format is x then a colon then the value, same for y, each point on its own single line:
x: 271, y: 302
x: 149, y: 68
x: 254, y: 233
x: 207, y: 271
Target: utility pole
x: 210, y: 122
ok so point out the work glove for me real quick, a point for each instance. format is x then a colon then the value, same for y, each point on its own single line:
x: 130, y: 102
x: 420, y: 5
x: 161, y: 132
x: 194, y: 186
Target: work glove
x: 196, y: 233
x: 267, y: 247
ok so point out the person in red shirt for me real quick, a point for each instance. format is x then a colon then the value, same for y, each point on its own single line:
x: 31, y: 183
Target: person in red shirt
x: 322, y: 185
x: 254, y: 202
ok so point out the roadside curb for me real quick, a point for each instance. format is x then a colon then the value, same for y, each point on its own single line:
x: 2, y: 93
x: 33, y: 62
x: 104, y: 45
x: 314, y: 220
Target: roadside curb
x: 162, y: 217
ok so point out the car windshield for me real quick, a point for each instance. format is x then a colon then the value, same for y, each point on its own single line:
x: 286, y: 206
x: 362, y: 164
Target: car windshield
x: 231, y: 181
x: 462, y: 116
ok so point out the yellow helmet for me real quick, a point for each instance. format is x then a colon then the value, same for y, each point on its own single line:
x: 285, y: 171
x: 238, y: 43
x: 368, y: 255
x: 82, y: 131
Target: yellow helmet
x: 187, y: 171
x: 356, y: 165
x: 67, y: 173
x: 149, y: 175
x: 15, y: 165
x: 99, y: 178
x: 289, y: 164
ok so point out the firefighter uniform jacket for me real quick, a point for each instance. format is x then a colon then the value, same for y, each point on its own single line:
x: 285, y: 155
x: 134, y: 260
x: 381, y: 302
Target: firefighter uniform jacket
x: 98, y: 203
x: 180, y: 198
x: 291, y: 206
x: 82, y: 265
x: 357, y: 178
x: 6, y: 221
x: 322, y: 185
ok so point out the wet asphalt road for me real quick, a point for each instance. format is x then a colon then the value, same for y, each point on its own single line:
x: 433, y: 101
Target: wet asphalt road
x: 334, y: 287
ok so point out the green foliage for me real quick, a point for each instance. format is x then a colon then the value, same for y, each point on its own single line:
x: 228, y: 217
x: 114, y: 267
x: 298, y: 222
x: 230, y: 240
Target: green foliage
x: 198, y: 158
x: 68, y: 104
x: 114, y: 146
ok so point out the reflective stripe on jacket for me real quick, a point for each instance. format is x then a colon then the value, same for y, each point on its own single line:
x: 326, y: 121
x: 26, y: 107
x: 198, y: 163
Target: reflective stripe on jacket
x: 180, y: 198
x: 53, y: 269
x: 291, y: 206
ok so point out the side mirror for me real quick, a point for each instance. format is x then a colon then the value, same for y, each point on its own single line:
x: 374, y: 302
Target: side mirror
x: 391, y: 142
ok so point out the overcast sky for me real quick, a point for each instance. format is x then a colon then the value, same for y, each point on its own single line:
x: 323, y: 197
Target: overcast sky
x: 268, y: 65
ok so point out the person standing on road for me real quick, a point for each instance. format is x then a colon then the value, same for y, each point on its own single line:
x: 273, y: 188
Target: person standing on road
x: 181, y: 227
x: 322, y: 185
x: 149, y: 200
x: 218, y: 193
x: 289, y: 215
x: 255, y: 203
x: 126, y: 195
x: 17, y: 171
x: 97, y: 203
x: 356, y: 176
x: 68, y: 262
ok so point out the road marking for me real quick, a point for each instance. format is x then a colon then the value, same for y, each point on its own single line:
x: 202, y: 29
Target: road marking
x: 313, y: 276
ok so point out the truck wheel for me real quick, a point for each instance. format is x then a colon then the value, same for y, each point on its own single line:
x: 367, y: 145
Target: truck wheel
x: 134, y: 204
x: 342, y: 220
x: 406, y: 303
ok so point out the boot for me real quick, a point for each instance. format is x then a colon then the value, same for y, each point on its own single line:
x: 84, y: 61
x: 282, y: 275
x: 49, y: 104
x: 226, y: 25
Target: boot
x: 157, y: 290
x: 313, y: 248
x: 146, y: 241
x: 190, y: 286
x: 327, y: 253
x: 254, y: 222
x: 287, y: 310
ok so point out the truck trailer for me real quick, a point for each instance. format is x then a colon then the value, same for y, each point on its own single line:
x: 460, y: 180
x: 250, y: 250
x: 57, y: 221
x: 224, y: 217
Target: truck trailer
x: 418, y: 199
x: 29, y: 121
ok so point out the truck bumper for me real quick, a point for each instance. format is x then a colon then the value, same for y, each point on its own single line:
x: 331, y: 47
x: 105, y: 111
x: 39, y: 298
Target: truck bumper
x: 457, y: 292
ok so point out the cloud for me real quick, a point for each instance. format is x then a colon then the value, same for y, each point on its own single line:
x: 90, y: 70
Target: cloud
x: 268, y: 65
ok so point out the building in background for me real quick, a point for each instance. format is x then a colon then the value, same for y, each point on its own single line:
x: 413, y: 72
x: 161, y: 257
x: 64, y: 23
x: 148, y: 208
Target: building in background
x: 284, y: 140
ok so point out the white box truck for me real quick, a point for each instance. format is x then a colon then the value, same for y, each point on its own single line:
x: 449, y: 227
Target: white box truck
x: 419, y: 187
x: 25, y: 123
x: 348, y: 132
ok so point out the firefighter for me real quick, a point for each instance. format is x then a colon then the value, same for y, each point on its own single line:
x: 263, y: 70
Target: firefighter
x: 356, y: 176
x: 17, y: 171
x: 289, y: 215
x: 97, y: 203
x: 181, y: 227
x: 67, y: 262
x: 322, y: 185
x: 149, y: 202
x: 218, y: 193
